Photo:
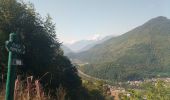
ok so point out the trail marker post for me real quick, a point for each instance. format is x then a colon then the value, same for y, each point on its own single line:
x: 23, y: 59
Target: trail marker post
x: 15, y: 50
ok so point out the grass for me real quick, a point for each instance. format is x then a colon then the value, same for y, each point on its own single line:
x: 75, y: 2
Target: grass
x: 32, y: 90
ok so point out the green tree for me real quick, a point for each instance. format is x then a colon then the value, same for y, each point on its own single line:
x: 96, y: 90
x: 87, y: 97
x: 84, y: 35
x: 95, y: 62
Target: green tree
x: 158, y: 90
x: 43, y: 53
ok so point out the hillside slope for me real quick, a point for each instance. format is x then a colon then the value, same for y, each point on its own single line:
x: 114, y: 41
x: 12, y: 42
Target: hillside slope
x: 66, y: 49
x: 84, y: 45
x: 79, y: 45
x: 141, y: 52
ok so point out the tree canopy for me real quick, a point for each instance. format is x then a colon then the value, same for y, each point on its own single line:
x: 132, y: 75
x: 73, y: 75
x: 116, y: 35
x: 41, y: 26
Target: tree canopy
x: 43, y: 53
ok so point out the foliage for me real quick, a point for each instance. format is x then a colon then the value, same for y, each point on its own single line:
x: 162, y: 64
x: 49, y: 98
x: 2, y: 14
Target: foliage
x: 96, y: 90
x: 158, y: 90
x: 140, y: 53
x: 43, y: 53
x: 33, y: 91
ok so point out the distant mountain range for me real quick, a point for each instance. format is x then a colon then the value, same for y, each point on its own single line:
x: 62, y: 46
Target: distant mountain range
x: 66, y: 49
x: 79, y: 45
x: 140, y: 53
x: 83, y: 45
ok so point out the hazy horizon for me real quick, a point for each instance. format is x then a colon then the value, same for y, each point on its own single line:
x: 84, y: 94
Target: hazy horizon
x: 91, y: 19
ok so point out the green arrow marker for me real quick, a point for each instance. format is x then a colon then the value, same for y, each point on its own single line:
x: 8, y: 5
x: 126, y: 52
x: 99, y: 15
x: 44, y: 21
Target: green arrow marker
x: 11, y: 75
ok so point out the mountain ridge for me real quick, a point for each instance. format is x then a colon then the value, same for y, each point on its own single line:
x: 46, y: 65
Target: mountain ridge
x: 144, y: 48
x: 84, y: 45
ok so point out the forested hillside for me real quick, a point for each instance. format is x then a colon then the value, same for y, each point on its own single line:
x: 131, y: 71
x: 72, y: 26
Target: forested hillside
x: 43, y: 55
x: 140, y: 53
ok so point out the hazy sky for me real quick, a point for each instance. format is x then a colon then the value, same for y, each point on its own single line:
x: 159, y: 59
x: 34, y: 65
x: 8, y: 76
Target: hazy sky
x: 88, y: 19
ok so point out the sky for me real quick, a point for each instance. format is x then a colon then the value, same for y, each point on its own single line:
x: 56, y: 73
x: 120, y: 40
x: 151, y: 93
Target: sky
x: 90, y: 19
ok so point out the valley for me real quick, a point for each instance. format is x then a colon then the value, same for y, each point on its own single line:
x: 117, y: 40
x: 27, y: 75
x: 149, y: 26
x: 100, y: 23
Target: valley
x: 128, y: 65
x: 84, y: 50
x: 138, y: 54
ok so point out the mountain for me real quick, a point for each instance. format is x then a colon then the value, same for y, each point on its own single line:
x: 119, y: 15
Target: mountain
x: 140, y: 53
x: 87, y: 47
x: 79, y: 45
x: 84, y: 45
x: 66, y: 49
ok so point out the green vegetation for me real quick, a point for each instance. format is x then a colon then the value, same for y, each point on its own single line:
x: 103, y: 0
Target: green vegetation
x: 140, y: 53
x: 43, y: 53
x: 96, y: 90
x: 158, y: 90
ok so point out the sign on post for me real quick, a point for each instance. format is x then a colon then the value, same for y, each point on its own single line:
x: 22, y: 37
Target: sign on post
x: 15, y: 49
x: 17, y: 62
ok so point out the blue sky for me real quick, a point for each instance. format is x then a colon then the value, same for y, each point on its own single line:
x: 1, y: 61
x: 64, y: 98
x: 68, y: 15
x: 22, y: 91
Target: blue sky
x: 87, y: 19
